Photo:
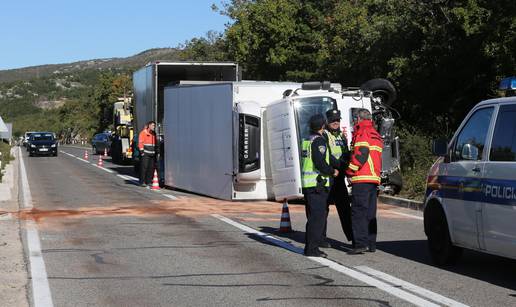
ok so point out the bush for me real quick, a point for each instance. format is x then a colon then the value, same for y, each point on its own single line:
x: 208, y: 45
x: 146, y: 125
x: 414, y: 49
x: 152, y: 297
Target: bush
x: 416, y: 159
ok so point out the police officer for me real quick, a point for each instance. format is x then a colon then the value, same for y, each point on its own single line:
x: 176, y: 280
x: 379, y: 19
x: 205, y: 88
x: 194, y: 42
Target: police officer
x: 364, y: 170
x: 315, y: 176
x: 339, y: 159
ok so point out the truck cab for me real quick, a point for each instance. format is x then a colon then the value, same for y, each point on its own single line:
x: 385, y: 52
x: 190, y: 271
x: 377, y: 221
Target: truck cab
x: 287, y: 126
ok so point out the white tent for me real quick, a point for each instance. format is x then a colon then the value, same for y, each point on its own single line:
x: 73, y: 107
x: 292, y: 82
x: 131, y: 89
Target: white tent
x: 3, y: 127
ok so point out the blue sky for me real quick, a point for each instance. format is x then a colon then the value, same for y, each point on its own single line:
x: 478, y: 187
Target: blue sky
x: 36, y: 32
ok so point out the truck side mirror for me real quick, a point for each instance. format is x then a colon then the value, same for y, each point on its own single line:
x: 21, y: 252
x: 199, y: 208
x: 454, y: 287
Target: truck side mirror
x: 469, y: 152
x: 440, y: 147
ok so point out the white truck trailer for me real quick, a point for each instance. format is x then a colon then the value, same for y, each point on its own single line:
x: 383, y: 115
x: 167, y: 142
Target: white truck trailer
x: 214, y: 138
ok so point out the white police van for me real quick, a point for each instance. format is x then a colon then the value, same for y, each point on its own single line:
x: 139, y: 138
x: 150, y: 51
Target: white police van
x: 470, y: 200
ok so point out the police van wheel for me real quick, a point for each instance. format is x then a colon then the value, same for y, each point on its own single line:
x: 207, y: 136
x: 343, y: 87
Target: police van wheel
x: 439, y: 242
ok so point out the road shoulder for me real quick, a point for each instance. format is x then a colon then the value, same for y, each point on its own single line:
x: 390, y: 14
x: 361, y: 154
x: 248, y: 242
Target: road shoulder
x: 13, y: 269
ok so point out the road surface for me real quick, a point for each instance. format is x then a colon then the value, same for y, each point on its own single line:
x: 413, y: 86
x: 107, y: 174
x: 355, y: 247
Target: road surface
x: 95, y: 238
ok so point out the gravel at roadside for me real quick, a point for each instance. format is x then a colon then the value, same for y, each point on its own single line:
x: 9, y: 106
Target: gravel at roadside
x: 13, y: 269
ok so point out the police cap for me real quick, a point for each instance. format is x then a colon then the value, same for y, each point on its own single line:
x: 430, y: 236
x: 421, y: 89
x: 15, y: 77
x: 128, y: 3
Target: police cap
x: 317, y: 122
x: 333, y: 115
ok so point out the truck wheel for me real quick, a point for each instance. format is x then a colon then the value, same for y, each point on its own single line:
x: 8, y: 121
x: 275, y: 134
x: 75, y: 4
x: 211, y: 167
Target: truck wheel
x: 381, y: 88
x: 395, y: 183
x: 441, y: 248
x: 94, y: 150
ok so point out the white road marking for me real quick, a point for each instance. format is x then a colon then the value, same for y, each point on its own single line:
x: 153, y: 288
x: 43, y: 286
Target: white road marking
x: 40, y: 287
x: 101, y: 167
x: 393, y: 290
x: 104, y: 169
x: 67, y: 154
x: 81, y: 159
x: 410, y: 287
x: 407, y: 215
x: 129, y: 178
x: 132, y: 178
x: 170, y: 196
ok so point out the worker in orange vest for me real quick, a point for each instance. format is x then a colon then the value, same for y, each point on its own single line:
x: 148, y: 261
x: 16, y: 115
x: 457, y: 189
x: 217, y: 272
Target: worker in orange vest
x: 147, y: 147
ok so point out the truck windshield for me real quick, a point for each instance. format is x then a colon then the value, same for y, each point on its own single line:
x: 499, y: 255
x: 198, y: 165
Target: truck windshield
x: 305, y: 108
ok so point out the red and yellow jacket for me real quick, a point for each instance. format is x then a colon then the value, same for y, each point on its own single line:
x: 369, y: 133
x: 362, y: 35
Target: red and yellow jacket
x: 366, y: 160
x: 147, y: 142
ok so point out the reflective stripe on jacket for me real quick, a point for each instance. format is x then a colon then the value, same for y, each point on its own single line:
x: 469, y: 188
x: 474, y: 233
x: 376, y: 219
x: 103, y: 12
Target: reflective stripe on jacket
x: 366, y: 160
x: 309, y: 173
x: 147, y: 141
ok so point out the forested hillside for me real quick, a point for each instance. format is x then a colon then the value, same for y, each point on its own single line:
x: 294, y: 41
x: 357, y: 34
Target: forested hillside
x: 443, y: 56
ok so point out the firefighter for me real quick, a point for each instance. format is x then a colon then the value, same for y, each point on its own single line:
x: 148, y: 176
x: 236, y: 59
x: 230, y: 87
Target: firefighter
x: 315, y: 176
x: 147, y: 148
x: 339, y: 159
x: 364, y: 172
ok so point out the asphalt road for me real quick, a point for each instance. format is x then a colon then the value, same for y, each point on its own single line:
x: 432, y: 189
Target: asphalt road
x: 107, y: 242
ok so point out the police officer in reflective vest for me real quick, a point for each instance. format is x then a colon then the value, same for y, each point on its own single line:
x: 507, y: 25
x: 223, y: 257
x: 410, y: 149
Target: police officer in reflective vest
x: 315, y: 176
x: 147, y: 147
x: 339, y: 159
x: 364, y: 170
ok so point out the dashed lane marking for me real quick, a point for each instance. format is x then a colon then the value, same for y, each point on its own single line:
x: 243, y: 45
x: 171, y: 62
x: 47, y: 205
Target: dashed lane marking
x: 129, y: 178
x: 81, y: 159
x: 40, y: 288
x: 410, y: 287
x: 104, y: 169
x: 394, y: 289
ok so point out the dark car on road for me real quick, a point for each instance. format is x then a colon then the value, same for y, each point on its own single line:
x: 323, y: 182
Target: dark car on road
x: 42, y: 143
x: 100, y: 142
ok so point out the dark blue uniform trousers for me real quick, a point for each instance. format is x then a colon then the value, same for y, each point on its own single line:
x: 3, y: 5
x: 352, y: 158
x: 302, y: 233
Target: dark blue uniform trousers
x: 363, y: 214
x: 316, y: 217
x: 339, y: 196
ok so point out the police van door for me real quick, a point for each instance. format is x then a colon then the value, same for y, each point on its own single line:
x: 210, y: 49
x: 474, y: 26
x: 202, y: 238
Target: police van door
x: 499, y: 186
x: 462, y: 190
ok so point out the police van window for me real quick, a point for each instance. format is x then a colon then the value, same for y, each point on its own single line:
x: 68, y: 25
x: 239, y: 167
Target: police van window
x: 474, y: 133
x: 503, y: 146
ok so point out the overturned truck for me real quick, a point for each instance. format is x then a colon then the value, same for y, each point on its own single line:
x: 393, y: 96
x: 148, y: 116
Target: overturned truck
x: 240, y: 140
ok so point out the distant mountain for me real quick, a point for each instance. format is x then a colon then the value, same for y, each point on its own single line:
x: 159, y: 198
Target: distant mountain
x: 132, y: 62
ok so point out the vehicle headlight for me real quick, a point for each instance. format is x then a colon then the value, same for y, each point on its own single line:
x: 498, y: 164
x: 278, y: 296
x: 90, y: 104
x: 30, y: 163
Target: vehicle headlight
x: 32, y: 145
x: 53, y: 145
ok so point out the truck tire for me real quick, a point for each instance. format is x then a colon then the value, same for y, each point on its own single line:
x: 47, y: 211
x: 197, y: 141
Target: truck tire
x: 94, y: 150
x: 442, y: 251
x: 381, y: 88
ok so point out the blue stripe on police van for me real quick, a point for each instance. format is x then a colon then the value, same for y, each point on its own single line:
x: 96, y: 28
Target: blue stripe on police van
x: 494, y: 191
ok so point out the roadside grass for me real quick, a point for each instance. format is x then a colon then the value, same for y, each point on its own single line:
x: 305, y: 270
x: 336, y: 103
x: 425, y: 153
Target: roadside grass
x: 5, y: 157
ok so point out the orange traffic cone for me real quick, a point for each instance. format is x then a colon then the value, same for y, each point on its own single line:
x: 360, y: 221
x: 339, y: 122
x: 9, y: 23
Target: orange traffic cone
x: 100, y: 164
x: 105, y: 152
x: 86, y: 155
x: 155, y: 181
x: 285, y: 219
